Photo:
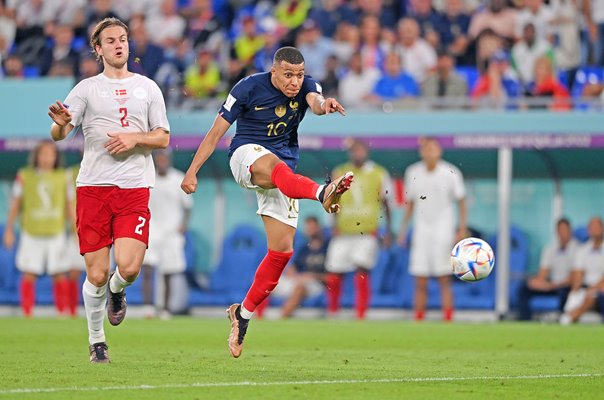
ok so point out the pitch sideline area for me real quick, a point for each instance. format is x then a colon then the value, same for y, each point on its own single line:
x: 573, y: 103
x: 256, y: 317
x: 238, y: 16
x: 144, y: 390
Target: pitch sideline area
x: 187, y: 358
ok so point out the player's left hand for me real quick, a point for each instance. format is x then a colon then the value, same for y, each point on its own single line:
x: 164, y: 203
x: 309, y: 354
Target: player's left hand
x: 331, y: 105
x: 120, y: 142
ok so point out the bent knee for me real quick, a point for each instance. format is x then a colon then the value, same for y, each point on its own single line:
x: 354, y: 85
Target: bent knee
x: 98, y: 277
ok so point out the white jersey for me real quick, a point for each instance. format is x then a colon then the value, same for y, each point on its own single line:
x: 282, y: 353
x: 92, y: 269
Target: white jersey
x: 559, y: 261
x: 434, y: 194
x: 101, y: 105
x: 168, y: 204
x: 591, y: 262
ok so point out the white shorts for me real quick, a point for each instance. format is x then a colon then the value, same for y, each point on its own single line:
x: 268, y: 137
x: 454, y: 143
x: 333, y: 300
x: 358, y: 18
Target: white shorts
x: 73, y: 258
x: 286, y: 287
x: 271, y: 202
x: 347, y: 253
x: 40, y: 254
x: 167, y: 254
x: 430, y: 255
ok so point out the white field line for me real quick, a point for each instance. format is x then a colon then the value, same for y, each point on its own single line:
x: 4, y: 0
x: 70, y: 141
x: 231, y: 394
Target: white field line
x: 294, y: 383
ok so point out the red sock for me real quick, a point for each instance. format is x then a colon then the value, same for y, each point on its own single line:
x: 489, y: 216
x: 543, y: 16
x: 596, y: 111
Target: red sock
x: 448, y: 314
x: 59, y: 291
x: 261, y: 307
x: 73, y: 296
x: 419, y: 315
x: 293, y: 185
x: 334, y: 289
x: 267, y: 276
x: 363, y: 293
x: 28, y: 296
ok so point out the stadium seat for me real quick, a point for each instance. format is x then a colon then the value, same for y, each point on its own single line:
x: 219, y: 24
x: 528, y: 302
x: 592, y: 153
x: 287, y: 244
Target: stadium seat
x: 581, y: 234
x: 519, y: 257
x: 31, y: 71
x: 584, y: 76
x: 243, y: 249
x: 9, y: 276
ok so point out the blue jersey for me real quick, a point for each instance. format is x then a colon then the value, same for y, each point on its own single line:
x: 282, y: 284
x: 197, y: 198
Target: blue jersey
x: 266, y: 116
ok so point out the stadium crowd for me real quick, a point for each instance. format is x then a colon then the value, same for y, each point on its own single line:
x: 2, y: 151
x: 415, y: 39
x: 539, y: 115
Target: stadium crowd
x: 372, y: 53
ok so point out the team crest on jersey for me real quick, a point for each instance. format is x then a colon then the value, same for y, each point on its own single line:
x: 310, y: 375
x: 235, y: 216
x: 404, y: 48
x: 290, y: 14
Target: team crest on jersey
x: 280, y: 110
x: 293, y: 105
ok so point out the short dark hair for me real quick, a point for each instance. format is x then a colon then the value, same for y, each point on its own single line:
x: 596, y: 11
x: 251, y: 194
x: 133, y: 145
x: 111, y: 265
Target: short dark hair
x: 563, y: 221
x: 95, y: 38
x: 288, y: 54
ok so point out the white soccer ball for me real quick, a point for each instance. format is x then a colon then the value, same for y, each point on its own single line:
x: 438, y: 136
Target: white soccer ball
x: 472, y: 259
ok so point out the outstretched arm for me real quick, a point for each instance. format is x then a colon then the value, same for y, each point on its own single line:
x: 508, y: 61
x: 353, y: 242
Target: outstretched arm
x: 205, y: 150
x: 321, y: 105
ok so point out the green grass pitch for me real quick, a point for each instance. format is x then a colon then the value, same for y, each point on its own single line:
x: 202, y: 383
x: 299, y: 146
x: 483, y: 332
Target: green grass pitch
x: 188, y: 359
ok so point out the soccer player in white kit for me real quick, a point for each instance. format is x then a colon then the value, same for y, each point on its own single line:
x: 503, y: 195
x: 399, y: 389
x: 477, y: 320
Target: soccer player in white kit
x: 123, y: 117
x: 432, y: 187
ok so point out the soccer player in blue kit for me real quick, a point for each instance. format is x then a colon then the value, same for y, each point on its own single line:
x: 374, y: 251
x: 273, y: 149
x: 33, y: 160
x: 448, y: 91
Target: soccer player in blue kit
x: 268, y: 108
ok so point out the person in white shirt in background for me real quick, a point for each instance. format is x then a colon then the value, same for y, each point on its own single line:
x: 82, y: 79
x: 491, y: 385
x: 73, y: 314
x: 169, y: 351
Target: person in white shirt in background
x: 356, y: 86
x: 554, y: 273
x: 432, y: 188
x: 171, y: 210
x: 587, y: 279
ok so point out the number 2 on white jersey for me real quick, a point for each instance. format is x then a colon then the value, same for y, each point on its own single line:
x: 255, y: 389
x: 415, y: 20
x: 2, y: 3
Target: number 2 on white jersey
x: 139, y: 227
x: 124, y: 112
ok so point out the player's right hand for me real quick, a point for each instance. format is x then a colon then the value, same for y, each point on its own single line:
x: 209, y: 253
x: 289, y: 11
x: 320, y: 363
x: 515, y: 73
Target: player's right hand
x: 59, y: 114
x: 9, y: 239
x: 189, y: 183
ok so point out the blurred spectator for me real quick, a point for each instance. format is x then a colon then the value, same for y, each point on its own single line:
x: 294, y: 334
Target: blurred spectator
x: 167, y: 231
x: 145, y: 57
x: 247, y: 44
x: 202, y: 81
x: 432, y: 188
x: 497, y: 83
x: 429, y: 20
x: 444, y: 86
x: 417, y: 56
x: 99, y: 10
x: 538, y: 14
x: 292, y: 13
x: 567, y: 41
x: 317, y: 47
x: 382, y: 10
x: 595, y: 24
x: 454, y: 32
x: 61, y: 68
x: 65, y: 12
x: 526, y: 52
x: 497, y: 17
x: 89, y: 67
x: 204, y: 28
x: 331, y: 80
x: 170, y: 76
x: 555, y: 268
x: 357, y: 84
x: 167, y: 28
x: 8, y: 30
x: 30, y: 18
x: 60, y: 51
x: 305, y: 275
x: 354, y: 246
x: 330, y: 14
x: 13, y: 67
x: 587, y: 280
x: 42, y: 201
x: 263, y: 61
x: 372, y: 52
x: 488, y: 44
x: 346, y: 41
x: 395, y: 84
x: 547, y: 85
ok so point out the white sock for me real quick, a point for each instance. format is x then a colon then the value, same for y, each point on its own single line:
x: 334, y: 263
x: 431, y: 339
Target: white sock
x: 245, y: 314
x: 321, y: 187
x: 117, y: 283
x: 94, y: 303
